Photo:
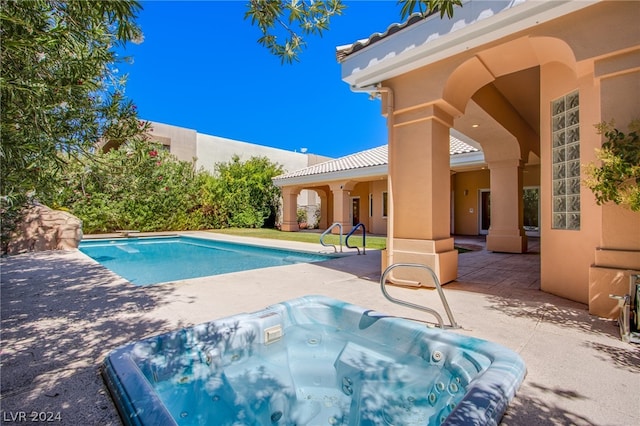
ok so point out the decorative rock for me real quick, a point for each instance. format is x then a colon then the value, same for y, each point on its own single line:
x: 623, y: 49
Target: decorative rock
x: 43, y: 228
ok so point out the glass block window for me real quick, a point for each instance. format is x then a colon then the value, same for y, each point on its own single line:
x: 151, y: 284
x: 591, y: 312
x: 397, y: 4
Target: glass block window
x: 565, y: 126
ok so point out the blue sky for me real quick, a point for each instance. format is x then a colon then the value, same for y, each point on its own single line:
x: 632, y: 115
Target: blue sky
x: 200, y: 67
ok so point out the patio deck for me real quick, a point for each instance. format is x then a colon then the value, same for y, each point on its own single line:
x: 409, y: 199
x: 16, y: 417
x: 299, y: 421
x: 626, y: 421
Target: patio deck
x: 61, y: 313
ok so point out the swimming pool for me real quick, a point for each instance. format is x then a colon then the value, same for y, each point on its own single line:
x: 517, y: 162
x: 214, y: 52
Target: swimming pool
x: 152, y: 260
x: 312, y: 361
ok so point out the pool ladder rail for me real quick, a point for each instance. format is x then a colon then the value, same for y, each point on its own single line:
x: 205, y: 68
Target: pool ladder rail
x: 328, y: 230
x: 364, y: 238
x: 346, y: 240
x: 383, y: 287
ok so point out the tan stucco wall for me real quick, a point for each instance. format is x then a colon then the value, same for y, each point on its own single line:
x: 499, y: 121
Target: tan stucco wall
x: 567, y: 254
x: 182, y: 141
x: 595, y: 51
x: 466, y: 191
x: 377, y: 223
x: 466, y: 201
x: 361, y: 191
x: 618, y: 253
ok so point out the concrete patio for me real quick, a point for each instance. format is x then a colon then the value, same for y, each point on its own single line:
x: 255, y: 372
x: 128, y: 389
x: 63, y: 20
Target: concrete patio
x: 62, y: 313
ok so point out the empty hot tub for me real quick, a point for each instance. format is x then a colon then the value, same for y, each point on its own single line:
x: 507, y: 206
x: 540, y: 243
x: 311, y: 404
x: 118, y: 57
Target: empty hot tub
x: 312, y: 361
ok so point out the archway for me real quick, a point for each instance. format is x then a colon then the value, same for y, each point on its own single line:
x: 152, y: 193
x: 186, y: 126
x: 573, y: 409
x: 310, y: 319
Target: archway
x: 497, y: 92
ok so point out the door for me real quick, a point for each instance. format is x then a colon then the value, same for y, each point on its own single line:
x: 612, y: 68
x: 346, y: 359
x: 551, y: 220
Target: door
x: 355, y: 211
x: 484, y: 213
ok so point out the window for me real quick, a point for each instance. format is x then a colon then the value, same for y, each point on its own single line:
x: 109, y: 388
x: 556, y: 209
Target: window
x: 565, y: 127
x: 384, y: 204
x: 370, y: 205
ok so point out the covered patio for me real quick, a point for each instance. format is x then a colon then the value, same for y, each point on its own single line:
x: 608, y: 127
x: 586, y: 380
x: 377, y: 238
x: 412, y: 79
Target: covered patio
x: 527, y: 81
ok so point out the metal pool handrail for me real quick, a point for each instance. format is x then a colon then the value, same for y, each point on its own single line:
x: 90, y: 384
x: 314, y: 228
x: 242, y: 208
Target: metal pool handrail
x: 329, y: 230
x: 383, y: 281
x: 364, y: 236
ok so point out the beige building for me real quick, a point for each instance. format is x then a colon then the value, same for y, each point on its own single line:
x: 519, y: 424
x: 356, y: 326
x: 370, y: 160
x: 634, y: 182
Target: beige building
x: 527, y: 81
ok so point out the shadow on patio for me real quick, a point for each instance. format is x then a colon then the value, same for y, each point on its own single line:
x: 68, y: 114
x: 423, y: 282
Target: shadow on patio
x: 60, y: 316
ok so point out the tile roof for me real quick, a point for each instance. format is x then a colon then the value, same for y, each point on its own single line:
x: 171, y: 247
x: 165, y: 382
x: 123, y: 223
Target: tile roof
x: 370, y: 158
x: 346, y: 50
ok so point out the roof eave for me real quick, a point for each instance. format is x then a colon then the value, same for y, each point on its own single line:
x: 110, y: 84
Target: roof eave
x: 323, y: 178
x: 467, y: 159
x: 433, y: 39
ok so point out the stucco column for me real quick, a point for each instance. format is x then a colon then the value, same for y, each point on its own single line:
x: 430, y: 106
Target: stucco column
x: 419, y: 188
x: 342, y: 205
x: 506, y: 233
x: 290, y: 208
x: 324, y: 212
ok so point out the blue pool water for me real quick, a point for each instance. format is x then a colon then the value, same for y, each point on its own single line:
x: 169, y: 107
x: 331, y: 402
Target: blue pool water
x: 312, y: 361
x: 145, y: 261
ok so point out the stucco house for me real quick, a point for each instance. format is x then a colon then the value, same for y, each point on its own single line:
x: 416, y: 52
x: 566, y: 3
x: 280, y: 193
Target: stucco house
x: 364, y: 175
x: 527, y: 81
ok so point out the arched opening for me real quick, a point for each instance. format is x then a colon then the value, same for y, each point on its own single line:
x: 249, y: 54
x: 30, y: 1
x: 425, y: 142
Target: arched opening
x: 498, y: 94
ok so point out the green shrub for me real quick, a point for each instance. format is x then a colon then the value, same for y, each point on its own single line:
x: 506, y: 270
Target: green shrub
x: 143, y: 187
x: 617, y: 178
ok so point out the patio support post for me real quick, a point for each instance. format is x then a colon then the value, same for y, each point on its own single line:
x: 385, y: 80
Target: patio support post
x: 290, y: 208
x: 419, y: 180
x: 342, y: 205
x: 324, y: 211
x: 506, y: 233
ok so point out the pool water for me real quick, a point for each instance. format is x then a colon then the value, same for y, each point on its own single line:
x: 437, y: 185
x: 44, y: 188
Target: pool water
x: 312, y: 361
x: 145, y: 261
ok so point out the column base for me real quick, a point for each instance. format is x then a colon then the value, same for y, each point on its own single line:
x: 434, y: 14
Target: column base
x: 290, y: 227
x: 439, y: 255
x: 507, y: 241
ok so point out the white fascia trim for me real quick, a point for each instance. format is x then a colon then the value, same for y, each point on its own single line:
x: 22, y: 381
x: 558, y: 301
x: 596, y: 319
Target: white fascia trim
x: 473, y: 25
x: 467, y: 159
x: 364, y: 172
x: 457, y: 160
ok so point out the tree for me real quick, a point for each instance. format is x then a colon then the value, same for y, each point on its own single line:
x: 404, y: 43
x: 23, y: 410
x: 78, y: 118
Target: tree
x: 243, y: 194
x: 293, y: 20
x: 617, y: 178
x: 138, y: 186
x: 60, y: 90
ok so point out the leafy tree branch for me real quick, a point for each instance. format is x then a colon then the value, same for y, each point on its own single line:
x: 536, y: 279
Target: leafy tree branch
x: 617, y: 178
x: 60, y: 90
x: 285, y: 23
